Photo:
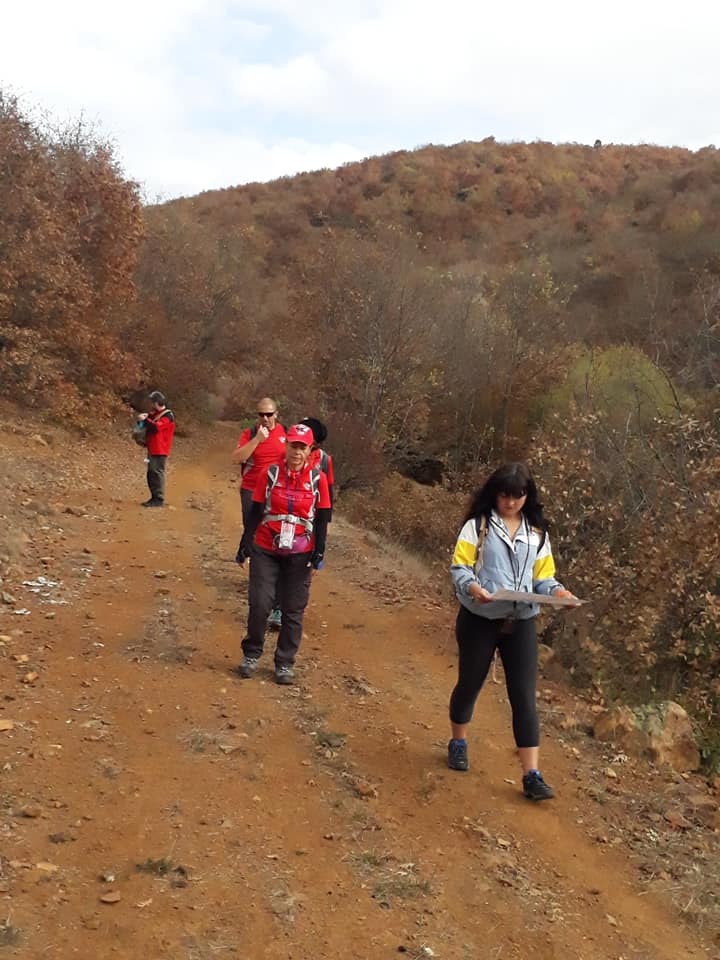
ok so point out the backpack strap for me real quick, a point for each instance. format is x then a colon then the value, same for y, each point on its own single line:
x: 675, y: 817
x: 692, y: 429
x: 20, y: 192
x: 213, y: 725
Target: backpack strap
x: 246, y: 464
x: 272, y: 478
x: 481, y: 529
x: 543, y: 536
x: 324, y: 460
x: 307, y: 522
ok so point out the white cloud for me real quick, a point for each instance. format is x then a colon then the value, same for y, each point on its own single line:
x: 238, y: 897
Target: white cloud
x: 300, y: 83
x: 216, y: 161
x: 203, y: 93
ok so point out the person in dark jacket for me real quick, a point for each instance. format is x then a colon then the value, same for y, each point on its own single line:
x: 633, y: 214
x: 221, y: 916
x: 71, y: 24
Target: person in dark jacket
x: 285, y: 541
x: 159, y: 431
x: 319, y: 457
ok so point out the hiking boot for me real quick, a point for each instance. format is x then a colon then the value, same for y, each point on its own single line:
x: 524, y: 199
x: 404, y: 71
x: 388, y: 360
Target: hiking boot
x: 457, y: 755
x: 535, y: 788
x: 284, y: 674
x: 152, y: 502
x: 248, y: 666
x: 274, y: 621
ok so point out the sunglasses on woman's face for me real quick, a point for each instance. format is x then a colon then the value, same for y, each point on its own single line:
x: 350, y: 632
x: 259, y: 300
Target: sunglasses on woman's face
x: 264, y: 413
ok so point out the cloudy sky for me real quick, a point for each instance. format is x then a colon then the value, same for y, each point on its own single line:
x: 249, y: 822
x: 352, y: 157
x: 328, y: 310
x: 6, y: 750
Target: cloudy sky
x: 200, y: 94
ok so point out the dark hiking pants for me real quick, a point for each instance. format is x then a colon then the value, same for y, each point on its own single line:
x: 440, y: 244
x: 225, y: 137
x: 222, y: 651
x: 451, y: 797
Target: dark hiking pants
x: 246, y: 500
x: 478, y: 639
x: 289, y: 577
x: 156, y: 476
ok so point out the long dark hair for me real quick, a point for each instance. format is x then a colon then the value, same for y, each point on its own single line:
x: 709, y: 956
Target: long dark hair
x: 512, y: 478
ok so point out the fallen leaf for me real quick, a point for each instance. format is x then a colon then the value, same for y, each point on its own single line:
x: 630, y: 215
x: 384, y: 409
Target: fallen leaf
x: 47, y: 867
x: 7, y: 724
x: 30, y: 677
x: 144, y: 903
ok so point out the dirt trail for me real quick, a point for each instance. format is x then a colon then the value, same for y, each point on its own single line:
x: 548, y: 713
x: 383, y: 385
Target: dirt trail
x: 240, y: 819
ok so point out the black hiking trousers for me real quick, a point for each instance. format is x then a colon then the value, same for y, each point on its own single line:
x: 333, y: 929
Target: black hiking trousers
x: 478, y: 638
x: 156, y: 476
x: 288, y: 578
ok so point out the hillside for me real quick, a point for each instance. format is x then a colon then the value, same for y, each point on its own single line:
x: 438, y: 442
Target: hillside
x: 602, y: 245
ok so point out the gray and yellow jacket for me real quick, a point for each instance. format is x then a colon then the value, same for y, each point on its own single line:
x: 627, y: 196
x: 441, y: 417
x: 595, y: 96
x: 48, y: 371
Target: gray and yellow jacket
x: 520, y: 564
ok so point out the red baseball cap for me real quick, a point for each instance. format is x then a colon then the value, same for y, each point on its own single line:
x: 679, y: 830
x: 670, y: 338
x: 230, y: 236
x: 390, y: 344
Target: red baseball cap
x: 301, y: 433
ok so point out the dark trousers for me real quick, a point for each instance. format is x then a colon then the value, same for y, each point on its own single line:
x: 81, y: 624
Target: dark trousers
x: 246, y: 499
x: 478, y: 638
x: 156, y: 476
x: 290, y: 578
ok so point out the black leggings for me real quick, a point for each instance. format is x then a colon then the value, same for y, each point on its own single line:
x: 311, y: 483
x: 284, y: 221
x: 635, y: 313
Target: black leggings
x: 478, y: 638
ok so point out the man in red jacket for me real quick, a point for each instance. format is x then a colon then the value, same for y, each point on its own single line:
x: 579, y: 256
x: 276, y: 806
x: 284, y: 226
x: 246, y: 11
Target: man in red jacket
x: 159, y: 430
x: 258, y: 447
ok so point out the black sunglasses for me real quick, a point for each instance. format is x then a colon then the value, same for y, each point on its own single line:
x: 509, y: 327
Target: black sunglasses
x: 264, y: 413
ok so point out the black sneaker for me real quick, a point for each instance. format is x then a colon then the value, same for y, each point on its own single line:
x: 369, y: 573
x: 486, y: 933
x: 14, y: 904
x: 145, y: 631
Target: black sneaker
x: 284, y: 674
x: 248, y: 666
x: 153, y: 503
x: 457, y: 755
x: 535, y: 788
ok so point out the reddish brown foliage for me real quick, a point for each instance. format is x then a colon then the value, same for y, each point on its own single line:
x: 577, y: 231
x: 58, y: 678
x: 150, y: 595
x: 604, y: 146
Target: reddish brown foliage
x: 69, y: 231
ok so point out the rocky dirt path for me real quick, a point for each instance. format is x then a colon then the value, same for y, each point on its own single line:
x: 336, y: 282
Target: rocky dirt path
x: 154, y: 805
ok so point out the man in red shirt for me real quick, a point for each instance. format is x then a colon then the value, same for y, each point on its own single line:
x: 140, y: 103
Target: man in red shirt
x: 257, y: 447
x: 159, y: 432
x: 285, y: 540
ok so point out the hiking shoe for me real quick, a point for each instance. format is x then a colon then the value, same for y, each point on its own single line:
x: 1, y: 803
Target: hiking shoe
x: 153, y: 503
x: 457, y: 755
x: 248, y: 666
x: 535, y: 788
x: 274, y: 621
x: 284, y: 674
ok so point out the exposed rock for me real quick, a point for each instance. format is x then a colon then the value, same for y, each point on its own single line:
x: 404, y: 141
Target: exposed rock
x: 112, y: 897
x: 427, y: 471
x: 702, y: 809
x: 660, y: 732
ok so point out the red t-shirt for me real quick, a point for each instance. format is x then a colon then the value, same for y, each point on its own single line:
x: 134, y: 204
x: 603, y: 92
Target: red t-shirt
x: 292, y: 494
x: 268, y: 451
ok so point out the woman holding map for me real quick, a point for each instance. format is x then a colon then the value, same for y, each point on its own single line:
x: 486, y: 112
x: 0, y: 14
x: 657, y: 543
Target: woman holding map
x: 503, y: 548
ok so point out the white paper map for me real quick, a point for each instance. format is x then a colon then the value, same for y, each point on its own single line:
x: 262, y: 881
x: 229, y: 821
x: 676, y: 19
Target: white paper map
x: 516, y: 596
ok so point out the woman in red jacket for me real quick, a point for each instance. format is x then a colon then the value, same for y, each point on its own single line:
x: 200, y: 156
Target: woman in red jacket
x: 285, y: 541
